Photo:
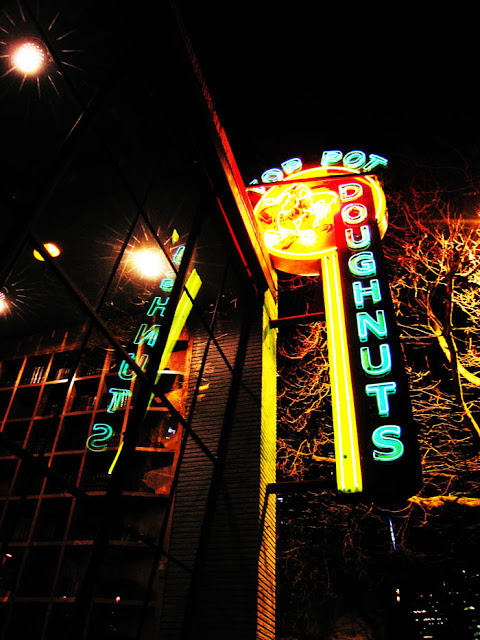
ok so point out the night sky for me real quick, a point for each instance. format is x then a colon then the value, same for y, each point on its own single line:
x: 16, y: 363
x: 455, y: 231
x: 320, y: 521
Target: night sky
x: 289, y: 81
x: 400, y: 82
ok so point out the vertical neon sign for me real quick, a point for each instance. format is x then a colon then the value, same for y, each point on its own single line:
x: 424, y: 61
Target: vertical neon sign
x: 146, y: 336
x: 317, y: 221
x: 386, y: 433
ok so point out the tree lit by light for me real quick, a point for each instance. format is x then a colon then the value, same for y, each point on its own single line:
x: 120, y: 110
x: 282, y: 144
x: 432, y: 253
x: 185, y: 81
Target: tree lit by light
x: 149, y: 262
x: 51, y: 248
x: 28, y: 58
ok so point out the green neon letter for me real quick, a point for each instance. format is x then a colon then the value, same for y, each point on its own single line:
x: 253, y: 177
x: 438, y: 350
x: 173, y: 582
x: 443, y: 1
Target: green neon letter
x: 96, y: 441
x: 350, y: 191
x: 381, y: 369
x: 381, y: 390
x: 166, y: 284
x: 354, y: 159
x: 366, y: 323
x: 362, y: 264
x: 147, y: 334
x: 354, y: 213
x: 178, y: 255
x: 158, y: 304
x: 125, y: 374
x: 374, y: 161
x: 289, y: 166
x: 387, y: 440
x: 119, y: 395
x: 272, y: 175
x: 355, y: 243
x: 331, y: 157
x: 360, y: 293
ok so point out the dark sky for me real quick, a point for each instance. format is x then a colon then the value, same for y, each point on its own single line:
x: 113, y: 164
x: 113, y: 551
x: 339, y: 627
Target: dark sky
x: 397, y: 81
x: 287, y: 80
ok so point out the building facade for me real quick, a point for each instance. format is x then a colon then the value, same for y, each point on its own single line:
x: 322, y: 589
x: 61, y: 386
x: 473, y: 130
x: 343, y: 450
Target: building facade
x: 138, y: 375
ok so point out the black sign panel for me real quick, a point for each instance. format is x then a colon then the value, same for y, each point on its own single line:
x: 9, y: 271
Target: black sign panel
x: 386, y: 431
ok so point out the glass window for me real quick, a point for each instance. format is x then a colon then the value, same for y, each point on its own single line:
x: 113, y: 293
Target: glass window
x: 9, y: 371
x: 42, y: 435
x: 63, y: 365
x: 16, y: 432
x: 24, y: 403
x: 52, y: 519
x: 39, y: 572
x: 35, y: 370
x: 74, y: 433
x: 67, y: 467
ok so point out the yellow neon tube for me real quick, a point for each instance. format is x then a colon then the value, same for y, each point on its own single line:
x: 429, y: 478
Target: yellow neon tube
x: 347, y: 455
x: 182, y: 312
x: 117, y: 455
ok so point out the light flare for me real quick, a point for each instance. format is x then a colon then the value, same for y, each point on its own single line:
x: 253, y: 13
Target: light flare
x: 150, y: 263
x: 3, y: 302
x: 51, y: 248
x: 28, y: 58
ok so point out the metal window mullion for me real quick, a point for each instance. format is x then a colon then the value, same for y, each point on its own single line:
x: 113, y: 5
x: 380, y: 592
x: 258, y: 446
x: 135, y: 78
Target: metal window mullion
x: 187, y: 431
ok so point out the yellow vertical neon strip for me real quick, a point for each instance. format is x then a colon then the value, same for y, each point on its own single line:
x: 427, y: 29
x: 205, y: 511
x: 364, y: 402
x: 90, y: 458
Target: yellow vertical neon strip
x: 182, y: 312
x: 347, y: 455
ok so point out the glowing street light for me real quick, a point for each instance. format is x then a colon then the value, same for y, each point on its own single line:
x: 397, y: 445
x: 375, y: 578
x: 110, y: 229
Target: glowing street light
x: 51, y: 248
x: 28, y: 58
x: 149, y: 262
x: 3, y: 302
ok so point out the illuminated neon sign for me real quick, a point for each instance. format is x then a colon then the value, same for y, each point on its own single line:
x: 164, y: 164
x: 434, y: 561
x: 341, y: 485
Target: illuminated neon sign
x: 295, y: 216
x: 330, y: 220
x: 146, y: 336
x: 352, y: 161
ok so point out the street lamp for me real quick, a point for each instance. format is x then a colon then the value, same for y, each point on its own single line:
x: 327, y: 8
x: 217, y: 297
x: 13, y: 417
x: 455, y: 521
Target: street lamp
x: 51, y: 248
x: 3, y: 302
x: 150, y: 263
x: 28, y: 58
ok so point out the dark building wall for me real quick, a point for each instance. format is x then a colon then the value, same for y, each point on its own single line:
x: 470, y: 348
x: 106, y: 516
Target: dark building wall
x: 219, y: 524
x: 131, y: 155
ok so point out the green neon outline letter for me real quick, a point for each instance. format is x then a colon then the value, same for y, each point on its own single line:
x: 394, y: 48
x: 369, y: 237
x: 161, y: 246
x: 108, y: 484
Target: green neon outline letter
x: 350, y: 191
x: 381, y: 390
x: 354, y: 159
x: 366, y: 323
x: 362, y: 264
x: 331, y: 157
x: 381, y: 369
x: 360, y: 215
x: 105, y: 432
x: 360, y: 293
x: 374, y: 161
x: 158, y: 304
x: 118, y: 397
x: 123, y: 371
x: 147, y: 334
x: 358, y: 243
x: 387, y: 438
x: 292, y: 165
